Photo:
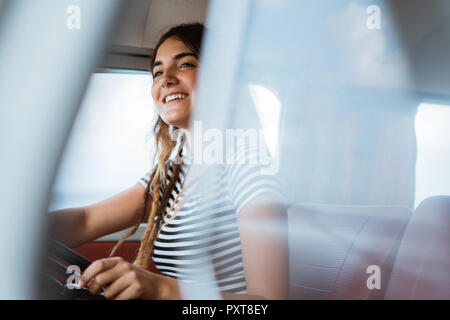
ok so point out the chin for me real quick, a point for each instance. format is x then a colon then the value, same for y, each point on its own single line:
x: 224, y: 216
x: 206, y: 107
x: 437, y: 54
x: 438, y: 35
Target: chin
x: 176, y: 120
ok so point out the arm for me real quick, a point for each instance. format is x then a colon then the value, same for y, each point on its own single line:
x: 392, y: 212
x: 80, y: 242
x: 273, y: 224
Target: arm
x: 263, y: 230
x: 76, y: 226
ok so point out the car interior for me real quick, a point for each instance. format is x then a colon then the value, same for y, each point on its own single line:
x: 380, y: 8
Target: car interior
x: 354, y: 104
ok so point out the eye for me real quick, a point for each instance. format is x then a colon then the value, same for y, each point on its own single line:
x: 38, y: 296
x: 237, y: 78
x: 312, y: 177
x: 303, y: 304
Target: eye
x: 187, y: 65
x: 156, y: 74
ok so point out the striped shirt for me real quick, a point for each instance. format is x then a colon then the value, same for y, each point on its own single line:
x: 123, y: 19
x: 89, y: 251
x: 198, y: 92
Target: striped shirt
x: 207, y: 222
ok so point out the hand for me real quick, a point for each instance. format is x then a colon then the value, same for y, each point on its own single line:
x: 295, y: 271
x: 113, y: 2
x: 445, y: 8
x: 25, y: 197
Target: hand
x: 122, y: 281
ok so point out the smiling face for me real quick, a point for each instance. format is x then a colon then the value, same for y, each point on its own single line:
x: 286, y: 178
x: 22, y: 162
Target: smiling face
x: 173, y: 90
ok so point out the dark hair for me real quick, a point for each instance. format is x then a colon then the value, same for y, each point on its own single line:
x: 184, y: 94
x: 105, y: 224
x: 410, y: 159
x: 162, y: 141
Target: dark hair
x: 190, y: 34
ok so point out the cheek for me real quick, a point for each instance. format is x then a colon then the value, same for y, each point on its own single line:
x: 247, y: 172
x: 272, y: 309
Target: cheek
x: 190, y: 82
x: 155, y: 95
x: 154, y: 92
x: 194, y: 78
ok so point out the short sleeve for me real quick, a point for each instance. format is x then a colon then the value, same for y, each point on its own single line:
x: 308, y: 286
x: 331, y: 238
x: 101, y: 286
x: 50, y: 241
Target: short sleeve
x: 249, y: 176
x: 144, y: 181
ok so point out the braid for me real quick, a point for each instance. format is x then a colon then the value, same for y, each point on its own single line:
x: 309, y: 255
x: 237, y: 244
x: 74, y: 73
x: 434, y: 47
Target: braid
x: 156, y: 220
x: 164, y: 147
x: 140, y: 220
x: 150, y: 225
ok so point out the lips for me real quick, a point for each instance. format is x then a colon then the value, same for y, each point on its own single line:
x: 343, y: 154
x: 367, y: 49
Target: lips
x: 174, y: 96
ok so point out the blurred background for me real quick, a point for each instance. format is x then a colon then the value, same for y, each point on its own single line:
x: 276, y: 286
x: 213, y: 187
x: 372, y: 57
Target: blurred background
x: 353, y: 97
x: 378, y: 136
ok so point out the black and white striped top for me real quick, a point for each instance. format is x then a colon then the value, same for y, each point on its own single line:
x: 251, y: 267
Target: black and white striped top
x: 207, y: 221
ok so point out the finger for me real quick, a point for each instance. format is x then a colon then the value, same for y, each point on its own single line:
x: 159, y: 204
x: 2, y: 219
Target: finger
x: 118, y: 286
x: 103, y: 279
x: 127, y: 294
x: 97, y: 267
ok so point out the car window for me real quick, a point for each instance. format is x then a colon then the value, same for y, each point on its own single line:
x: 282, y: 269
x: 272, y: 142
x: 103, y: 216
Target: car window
x: 432, y: 124
x: 110, y: 145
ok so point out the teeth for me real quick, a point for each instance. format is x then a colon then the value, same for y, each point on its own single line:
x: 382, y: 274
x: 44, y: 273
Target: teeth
x: 175, y: 96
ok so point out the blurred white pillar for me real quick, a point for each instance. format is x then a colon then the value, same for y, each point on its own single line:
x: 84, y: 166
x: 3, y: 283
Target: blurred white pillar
x: 224, y: 39
x: 44, y: 69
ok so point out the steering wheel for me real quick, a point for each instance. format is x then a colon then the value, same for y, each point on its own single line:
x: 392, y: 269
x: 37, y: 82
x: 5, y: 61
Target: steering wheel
x: 63, y: 270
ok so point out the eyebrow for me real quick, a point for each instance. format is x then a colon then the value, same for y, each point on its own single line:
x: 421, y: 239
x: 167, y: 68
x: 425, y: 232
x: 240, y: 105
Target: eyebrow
x: 177, y: 57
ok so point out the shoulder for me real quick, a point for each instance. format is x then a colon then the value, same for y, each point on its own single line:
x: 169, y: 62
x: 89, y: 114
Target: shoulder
x: 251, y: 173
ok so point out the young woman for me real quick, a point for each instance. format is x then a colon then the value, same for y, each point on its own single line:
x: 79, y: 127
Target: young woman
x: 221, y: 217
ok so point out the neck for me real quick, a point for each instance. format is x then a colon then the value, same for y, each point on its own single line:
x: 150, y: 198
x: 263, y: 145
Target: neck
x: 187, y: 144
x: 187, y: 135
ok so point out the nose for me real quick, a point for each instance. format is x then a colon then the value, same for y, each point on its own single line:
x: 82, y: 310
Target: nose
x: 167, y: 79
